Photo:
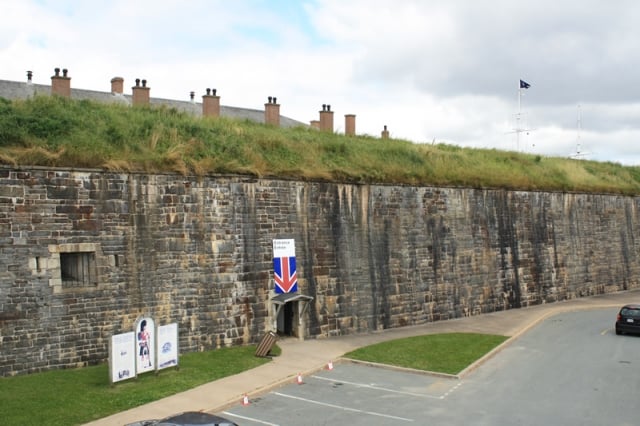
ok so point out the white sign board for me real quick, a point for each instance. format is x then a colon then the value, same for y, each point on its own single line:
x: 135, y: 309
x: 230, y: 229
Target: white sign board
x: 167, y: 348
x: 122, y: 357
x: 284, y: 248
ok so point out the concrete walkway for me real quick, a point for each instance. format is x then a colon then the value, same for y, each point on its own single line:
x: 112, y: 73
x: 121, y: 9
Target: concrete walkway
x: 308, y: 356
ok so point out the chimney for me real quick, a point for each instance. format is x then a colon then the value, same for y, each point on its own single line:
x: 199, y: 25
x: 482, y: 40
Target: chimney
x: 385, y: 133
x: 140, y: 94
x: 192, y: 97
x: 350, y: 124
x: 29, y: 77
x: 315, y: 124
x: 117, y: 85
x: 326, y: 119
x: 61, y: 84
x: 211, y: 104
x: 272, y: 112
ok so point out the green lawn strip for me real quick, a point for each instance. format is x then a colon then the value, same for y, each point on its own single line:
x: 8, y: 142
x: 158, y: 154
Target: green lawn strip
x: 77, y: 396
x: 448, y: 353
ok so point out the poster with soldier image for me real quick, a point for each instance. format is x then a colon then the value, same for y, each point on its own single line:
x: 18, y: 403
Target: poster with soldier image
x: 145, y: 341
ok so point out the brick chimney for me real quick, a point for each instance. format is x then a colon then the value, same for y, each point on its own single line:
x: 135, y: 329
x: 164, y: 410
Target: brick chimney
x: 315, y: 124
x: 140, y: 93
x: 385, y: 133
x: 350, y: 124
x: 272, y: 112
x: 211, y: 104
x: 326, y: 119
x: 117, y: 85
x: 61, y: 84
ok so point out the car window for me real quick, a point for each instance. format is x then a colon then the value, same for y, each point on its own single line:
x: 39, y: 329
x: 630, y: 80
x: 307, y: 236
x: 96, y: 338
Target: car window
x: 631, y: 312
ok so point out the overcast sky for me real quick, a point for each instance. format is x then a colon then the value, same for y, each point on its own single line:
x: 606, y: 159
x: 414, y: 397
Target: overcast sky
x: 445, y: 70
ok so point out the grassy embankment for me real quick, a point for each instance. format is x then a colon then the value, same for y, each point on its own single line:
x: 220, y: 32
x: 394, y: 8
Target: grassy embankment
x: 53, y: 131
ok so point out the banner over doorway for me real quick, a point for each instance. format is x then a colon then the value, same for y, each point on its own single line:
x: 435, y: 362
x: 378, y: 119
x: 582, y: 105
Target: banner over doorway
x: 284, y: 266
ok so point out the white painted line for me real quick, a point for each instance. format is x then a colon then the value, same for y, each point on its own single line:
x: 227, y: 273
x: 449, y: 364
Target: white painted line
x: 362, y: 385
x: 251, y: 419
x: 450, y: 391
x: 371, y: 413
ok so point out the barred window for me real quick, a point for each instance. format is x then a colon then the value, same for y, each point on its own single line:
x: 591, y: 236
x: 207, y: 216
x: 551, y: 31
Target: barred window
x: 78, y: 269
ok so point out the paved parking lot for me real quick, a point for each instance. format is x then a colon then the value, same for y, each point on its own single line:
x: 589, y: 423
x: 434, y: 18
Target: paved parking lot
x: 570, y: 370
x: 349, y: 394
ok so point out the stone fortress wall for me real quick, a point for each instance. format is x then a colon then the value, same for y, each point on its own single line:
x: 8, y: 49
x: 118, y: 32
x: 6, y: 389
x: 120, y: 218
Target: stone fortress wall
x: 84, y: 253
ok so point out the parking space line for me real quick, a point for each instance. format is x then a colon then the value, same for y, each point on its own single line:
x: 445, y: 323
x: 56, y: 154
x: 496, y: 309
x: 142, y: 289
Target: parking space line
x: 251, y: 419
x: 355, y: 410
x: 362, y: 385
x: 450, y: 391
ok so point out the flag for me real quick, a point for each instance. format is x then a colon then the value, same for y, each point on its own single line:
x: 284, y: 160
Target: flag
x: 284, y: 274
x: 524, y: 84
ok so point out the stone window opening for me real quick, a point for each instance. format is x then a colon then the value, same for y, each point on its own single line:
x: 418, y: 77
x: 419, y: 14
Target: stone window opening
x: 74, y: 266
x: 78, y: 269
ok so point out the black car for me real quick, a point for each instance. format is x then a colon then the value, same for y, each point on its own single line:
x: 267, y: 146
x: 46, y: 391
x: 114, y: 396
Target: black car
x: 628, y: 320
x: 188, y: 418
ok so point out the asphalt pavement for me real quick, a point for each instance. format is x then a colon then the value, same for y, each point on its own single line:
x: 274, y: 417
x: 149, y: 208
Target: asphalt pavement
x: 300, y: 358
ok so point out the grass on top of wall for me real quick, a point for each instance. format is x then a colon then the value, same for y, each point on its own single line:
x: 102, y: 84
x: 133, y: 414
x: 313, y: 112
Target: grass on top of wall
x: 59, y: 132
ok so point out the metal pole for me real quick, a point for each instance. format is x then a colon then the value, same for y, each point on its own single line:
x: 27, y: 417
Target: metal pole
x: 518, y: 118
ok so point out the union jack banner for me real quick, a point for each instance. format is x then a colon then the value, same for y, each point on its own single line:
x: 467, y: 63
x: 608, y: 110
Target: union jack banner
x: 284, y: 274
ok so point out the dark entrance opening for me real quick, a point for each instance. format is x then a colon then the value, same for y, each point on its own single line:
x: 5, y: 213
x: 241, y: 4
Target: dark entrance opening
x: 288, y: 319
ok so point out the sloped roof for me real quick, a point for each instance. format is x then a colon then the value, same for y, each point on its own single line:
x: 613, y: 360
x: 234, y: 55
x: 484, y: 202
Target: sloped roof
x: 283, y: 298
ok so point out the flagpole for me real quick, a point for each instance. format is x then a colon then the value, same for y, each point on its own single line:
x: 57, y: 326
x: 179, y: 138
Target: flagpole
x: 518, y: 129
x: 518, y: 117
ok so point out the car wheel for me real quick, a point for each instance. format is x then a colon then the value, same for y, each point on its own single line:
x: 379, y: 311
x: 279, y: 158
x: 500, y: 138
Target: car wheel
x: 618, y: 332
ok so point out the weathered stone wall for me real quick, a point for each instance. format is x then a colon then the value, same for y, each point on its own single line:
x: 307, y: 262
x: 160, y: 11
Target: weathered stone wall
x: 198, y: 251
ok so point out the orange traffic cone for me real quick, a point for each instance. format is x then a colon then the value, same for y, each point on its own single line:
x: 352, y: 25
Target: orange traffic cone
x: 330, y: 365
x: 245, y: 400
x: 299, y: 379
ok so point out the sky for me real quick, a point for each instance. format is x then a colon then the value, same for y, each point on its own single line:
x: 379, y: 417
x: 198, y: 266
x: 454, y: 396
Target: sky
x: 437, y: 71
